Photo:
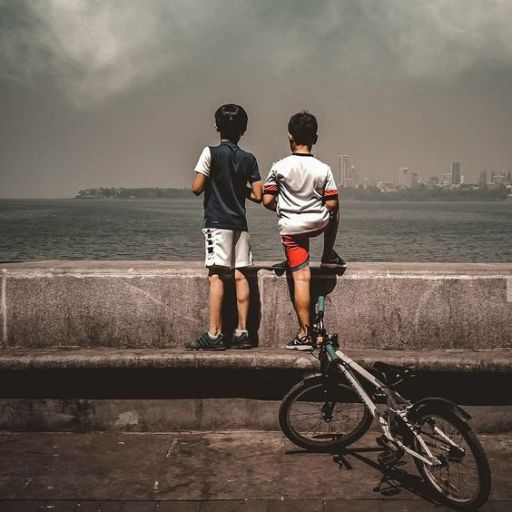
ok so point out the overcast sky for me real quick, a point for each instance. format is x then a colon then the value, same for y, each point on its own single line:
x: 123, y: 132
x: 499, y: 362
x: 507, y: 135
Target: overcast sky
x: 122, y: 92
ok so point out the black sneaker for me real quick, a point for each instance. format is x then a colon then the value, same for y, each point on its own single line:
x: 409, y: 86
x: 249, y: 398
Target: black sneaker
x: 242, y: 342
x: 335, y: 261
x: 204, y: 342
x: 300, y: 343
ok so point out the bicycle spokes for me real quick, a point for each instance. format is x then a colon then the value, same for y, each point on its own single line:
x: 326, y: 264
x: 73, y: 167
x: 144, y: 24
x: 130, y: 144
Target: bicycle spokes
x: 457, y: 474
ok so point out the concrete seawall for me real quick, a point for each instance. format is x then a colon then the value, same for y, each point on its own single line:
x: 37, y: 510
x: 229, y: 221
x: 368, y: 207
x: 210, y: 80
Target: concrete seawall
x: 403, y: 306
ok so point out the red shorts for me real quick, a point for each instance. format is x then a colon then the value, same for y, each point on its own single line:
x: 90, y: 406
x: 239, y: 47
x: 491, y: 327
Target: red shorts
x: 296, y: 249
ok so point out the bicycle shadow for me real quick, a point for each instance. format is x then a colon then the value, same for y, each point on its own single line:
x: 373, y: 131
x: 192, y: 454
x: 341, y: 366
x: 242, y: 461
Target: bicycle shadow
x: 394, y: 480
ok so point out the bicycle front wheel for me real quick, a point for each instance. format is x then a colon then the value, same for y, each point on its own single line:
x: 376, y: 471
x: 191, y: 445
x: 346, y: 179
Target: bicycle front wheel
x: 463, y: 479
x: 322, y: 418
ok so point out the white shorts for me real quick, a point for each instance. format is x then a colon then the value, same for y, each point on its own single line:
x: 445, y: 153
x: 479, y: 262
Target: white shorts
x: 227, y: 248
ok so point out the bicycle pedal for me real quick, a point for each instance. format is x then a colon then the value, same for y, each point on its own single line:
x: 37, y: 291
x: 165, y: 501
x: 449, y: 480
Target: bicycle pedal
x: 382, y: 441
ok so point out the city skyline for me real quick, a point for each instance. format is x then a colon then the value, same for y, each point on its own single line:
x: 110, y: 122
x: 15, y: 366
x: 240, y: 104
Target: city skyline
x: 349, y: 176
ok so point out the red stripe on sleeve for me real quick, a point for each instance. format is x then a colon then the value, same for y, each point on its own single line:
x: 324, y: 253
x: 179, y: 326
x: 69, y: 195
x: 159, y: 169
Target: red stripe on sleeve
x: 331, y: 193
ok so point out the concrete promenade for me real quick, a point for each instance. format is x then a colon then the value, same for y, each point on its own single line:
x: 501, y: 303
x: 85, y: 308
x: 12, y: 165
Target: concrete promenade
x: 216, y: 472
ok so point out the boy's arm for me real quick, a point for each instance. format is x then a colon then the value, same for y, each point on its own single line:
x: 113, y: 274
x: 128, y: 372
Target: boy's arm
x: 202, y: 171
x: 330, y: 193
x: 255, y: 193
x: 199, y: 184
x: 270, y: 191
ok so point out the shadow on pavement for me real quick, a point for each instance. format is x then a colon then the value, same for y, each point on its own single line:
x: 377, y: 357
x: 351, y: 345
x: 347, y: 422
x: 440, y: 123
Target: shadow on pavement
x: 394, y: 480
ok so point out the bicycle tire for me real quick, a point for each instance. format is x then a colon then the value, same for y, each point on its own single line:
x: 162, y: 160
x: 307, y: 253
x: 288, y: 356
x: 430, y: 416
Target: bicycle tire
x: 323, y: 441
x: 469, y: 438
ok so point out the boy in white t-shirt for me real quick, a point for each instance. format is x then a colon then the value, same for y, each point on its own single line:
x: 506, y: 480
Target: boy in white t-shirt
x: 302, y: 190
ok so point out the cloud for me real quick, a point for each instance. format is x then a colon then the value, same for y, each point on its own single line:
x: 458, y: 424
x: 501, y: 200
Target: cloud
x: 95, y: 49
x: 92, y: 49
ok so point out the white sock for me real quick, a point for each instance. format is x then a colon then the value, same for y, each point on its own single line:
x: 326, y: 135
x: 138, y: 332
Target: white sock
x: 239, y: 332
x: 213, y: 336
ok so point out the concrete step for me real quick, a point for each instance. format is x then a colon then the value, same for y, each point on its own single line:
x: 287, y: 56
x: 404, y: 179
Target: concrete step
x: 84, y: 389
x: 263, y: 358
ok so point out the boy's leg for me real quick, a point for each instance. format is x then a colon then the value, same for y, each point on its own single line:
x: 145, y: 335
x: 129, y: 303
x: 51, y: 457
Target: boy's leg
x: 218, y: 261
x: 242, y: 258
x: 296, y: 248
x: 302, y: 298
x: 216, y: 277
x: 213, y: 338
x: 242, y: 299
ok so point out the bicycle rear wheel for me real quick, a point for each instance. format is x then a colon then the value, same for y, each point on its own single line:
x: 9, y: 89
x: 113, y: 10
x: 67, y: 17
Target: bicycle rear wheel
x: 463, y: 479
x: 323, y: 419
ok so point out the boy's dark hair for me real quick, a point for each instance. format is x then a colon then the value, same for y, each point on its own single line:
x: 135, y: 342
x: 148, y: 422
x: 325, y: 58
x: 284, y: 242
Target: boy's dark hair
x: 303, y: 127
x: 231, y: 121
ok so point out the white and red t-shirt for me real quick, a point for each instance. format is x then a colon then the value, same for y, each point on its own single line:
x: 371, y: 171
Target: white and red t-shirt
x: 301, y: 183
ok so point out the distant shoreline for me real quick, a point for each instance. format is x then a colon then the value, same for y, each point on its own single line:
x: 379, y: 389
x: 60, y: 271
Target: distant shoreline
x: 132, y: 193
x: 497, y: 193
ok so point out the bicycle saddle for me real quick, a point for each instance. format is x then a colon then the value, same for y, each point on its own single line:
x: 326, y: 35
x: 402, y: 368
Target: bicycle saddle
x: 392, y: 374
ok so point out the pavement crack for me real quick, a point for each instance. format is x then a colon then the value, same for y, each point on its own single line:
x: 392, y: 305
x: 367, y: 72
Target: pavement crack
x: 170, y: 451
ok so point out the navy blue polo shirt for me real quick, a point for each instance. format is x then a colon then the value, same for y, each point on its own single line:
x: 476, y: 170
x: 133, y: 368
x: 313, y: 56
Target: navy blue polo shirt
x: 229, y: 169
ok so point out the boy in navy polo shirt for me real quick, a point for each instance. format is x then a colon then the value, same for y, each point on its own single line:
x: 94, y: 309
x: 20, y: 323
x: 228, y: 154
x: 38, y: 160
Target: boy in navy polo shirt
x: 223, y: 173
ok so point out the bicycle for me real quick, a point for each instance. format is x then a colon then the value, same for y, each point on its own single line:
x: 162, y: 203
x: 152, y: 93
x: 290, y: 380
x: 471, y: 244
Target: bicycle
x: 330, y: 410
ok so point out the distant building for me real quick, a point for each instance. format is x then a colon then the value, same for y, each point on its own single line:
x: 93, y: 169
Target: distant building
x: 404, y: 178
x: 414, y: 179
x: 387, y: 187
x: 447, y: 179
x: 344, y: 169
x: 353, y: 177
x: 348, y: 172
x: 455, y: 173
x: 498, y: 177
x: 509, y: 178
x: 483, y: 178
x: 433, y: 181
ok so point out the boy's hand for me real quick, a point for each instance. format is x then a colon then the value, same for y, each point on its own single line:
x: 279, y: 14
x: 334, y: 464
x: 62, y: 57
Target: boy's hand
x: 255, y: 193
x: 332, y: 205
x: 269, y: 202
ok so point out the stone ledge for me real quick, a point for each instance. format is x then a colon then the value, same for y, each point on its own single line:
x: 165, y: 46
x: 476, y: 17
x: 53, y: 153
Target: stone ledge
x: 157, y: 268
x: 464, y: 361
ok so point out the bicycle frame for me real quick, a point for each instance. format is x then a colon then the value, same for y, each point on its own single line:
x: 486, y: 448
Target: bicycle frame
x: 399, y: 405
x: 348, y: 368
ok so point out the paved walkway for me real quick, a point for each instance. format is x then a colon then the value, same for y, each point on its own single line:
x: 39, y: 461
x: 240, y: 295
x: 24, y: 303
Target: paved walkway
x: 217, y: 472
